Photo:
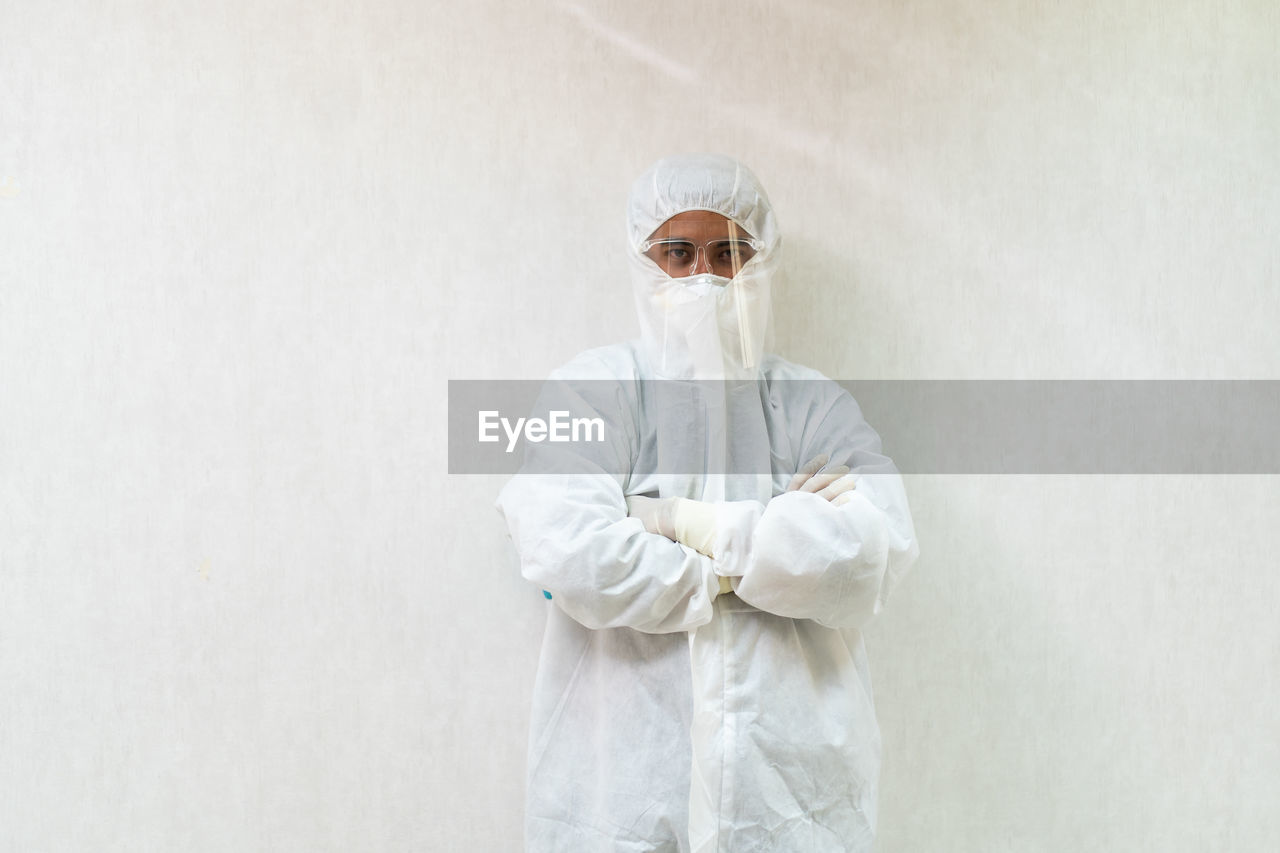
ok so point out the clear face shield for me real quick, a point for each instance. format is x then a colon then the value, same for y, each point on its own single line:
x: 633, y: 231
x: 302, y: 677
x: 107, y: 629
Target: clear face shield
x: 706, y: 306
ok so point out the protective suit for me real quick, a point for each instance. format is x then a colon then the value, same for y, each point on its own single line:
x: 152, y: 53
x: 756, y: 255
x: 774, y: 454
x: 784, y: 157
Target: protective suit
x: 712, y: 693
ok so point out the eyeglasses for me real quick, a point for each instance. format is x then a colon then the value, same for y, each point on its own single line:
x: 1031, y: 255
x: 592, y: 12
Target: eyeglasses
x: 679, y: 258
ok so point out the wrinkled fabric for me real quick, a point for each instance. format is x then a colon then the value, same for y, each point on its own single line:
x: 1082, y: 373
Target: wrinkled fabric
x: 668, y: 716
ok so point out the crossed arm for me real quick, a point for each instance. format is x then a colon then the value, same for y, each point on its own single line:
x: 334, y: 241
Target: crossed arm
x: 828, y: 548
x: 693, y: 523
x: 825, y: 549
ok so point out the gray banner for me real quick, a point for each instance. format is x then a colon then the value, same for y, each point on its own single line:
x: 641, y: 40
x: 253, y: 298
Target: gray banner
x: 926, y: 426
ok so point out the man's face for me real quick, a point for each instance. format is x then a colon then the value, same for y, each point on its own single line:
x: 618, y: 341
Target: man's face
x: 698, y: 241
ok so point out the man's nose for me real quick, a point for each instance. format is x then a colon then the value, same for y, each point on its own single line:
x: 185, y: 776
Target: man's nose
x: 701, y: 264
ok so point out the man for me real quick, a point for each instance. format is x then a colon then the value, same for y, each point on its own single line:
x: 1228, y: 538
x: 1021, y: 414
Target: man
x: 703, y: 684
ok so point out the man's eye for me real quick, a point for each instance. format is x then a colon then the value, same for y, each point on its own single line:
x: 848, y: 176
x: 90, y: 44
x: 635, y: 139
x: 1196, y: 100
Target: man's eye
x: 678, y: 252
x: 732, y: 253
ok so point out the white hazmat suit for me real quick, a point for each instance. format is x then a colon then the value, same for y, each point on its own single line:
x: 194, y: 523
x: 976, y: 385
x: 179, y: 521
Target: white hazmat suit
x: 667, y: 715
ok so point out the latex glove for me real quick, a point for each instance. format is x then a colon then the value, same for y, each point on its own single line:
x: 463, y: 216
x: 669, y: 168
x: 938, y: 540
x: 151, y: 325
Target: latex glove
x: 832, y: 484
x: 691, y: 523
x: 656, y: 514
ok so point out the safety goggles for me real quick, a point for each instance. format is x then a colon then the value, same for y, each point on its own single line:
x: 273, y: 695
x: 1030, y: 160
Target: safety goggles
x: 679, y: 258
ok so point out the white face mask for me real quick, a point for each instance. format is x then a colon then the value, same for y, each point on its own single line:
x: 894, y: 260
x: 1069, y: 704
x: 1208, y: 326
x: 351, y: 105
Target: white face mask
x: 703, y: 284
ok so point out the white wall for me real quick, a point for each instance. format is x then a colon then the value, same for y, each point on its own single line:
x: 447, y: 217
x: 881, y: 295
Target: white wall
x: 244, y: 245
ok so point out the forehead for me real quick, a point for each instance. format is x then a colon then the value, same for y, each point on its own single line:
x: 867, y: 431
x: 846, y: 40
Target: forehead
x: 698, y: 225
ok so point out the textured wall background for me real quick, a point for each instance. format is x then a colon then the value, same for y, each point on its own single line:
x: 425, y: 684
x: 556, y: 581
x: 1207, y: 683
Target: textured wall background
x: 243, y: 246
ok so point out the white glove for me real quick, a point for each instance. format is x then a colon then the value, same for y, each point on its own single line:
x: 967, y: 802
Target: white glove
x: 654, y: 513
x: 831, y: 484
x: 691, y: 523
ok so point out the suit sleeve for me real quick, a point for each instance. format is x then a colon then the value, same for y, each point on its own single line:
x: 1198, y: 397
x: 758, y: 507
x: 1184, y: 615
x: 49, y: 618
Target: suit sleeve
x: 567, y: 516
x: 802, y: 557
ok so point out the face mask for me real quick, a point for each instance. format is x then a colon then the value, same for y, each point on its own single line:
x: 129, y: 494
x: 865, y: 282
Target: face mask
x: 694, y: 287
